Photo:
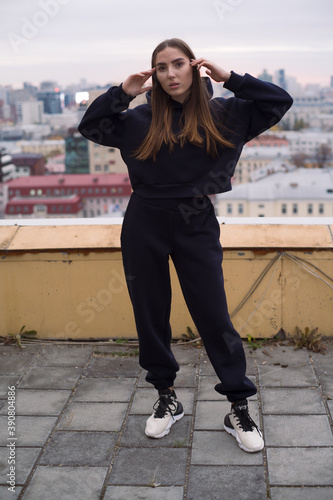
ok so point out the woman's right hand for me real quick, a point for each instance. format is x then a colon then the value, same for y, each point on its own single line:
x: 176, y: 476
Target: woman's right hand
x: 134, y: 84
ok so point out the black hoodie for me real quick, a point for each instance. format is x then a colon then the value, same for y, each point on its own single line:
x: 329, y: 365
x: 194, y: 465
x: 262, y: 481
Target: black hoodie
x: 186, y: 171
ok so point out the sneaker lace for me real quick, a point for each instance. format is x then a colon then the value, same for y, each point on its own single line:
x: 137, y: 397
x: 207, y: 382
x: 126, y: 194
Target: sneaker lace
x: 163, y: 406
x: 243, y: 419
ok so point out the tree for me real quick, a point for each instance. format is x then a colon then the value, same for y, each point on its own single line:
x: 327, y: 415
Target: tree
x: 323, y: 155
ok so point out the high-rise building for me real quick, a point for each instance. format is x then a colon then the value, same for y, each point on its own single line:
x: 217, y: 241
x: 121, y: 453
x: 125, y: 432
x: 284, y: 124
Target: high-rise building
x: 77, y: 156
x: 51, y: 100
x: 280, y: 78
x: 265, y: 76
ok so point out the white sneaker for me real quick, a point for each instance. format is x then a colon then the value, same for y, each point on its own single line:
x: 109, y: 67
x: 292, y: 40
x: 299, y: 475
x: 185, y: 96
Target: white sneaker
x: 167, y: 410
x: 239, y: 424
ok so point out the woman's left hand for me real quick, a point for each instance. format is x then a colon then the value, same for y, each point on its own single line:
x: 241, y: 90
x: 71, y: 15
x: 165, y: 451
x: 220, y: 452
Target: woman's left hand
x: 215, y: 72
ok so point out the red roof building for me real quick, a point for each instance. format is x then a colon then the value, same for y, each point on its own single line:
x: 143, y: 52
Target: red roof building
x: 60, y: 195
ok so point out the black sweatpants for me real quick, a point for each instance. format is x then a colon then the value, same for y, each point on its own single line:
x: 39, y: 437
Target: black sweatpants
x: 186, y: 230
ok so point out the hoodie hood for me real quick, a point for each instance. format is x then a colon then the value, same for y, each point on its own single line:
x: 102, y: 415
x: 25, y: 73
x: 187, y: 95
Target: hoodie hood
x: 205, y: 79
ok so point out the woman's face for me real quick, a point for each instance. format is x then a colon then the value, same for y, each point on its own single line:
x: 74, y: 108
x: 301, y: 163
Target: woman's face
x: 174, y: 73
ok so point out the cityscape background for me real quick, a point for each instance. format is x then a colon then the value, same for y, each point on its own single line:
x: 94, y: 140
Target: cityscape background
x: 58, y: 55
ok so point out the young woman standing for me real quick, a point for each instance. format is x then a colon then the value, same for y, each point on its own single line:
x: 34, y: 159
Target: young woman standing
x: 181, y: 147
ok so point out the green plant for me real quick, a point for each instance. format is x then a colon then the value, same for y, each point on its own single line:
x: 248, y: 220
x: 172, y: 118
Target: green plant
x: 256, y: 343
x: 152, y: 483
x: 180, y: 443
x: 121, y: 341
x: 192, y: 337
x: 16, y: 338
x: 310, y: 339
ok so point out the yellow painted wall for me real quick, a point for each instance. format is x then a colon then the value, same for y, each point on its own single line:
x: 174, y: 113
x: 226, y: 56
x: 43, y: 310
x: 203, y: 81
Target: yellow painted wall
x: 68, y: 282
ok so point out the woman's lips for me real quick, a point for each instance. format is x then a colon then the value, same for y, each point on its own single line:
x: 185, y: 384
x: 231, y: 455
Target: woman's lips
x: 173, y: 85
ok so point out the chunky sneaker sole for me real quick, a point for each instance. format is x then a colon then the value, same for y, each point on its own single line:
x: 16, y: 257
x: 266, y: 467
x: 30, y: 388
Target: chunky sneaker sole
x: 172, y: 420
x: 167, y: 411
x: 232, y: 431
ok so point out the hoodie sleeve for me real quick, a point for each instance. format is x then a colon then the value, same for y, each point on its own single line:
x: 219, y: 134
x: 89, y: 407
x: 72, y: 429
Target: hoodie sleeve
x: 259, y: 104
x: 103, y: 122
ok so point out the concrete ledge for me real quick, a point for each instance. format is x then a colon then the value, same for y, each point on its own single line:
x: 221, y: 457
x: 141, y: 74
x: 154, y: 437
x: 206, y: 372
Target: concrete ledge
x: 107, y: 236
x: 67, y: 281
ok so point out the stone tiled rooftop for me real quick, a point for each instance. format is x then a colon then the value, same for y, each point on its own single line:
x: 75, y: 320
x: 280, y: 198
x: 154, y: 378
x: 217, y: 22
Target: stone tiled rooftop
x: 81, y: 410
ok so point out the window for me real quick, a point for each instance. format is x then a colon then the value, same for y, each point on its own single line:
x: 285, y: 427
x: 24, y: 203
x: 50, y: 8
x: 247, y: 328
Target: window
x: 106, y: 168
x: 90, y: 190
x: 283, y: 208
x: 310, y: 208
x: 83, y: 190
x: 240, y: 208
x: 261, y: 206
x: 39, y: 192
x: 295, y: 208
x: 98, y: 168
x: 229, y: 208
x: 32, y: 192
x: 321, y: 208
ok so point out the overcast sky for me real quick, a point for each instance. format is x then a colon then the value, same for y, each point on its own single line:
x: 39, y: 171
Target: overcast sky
x: 103, y: 41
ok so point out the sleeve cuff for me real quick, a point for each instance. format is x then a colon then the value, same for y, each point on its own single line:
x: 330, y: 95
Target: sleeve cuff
x: 234, y: 82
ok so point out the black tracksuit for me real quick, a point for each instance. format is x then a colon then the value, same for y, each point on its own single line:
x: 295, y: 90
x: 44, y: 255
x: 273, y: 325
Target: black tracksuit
x: 170, y: 215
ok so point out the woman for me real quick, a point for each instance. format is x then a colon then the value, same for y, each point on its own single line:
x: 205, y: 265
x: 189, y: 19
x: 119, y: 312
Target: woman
x: 179, y: 148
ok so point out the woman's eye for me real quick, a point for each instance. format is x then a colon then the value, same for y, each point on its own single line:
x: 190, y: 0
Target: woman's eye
x: 161, y: 68
x: 179, y: 64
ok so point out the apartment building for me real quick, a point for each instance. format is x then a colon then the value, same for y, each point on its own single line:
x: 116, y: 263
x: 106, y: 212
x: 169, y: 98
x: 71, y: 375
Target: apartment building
x: 301, y: 193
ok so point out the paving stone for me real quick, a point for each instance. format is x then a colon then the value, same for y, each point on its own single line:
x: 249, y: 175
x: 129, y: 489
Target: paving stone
x: 291, y: 376
x: 330, y: 406
x: 24, y: 462
x: 140, y: 493
x: 324, y: 365
x: 13, y: 363
x: 39, y: 402
x: 29, y: 431
x: 7, y: 381
x: 50, y: 378
x: 217, y: 483
x: 134, y: 435
x: 142, y: 466
x: 112, y: 367
x: 186, y: 354
x: 111, y: 389
x: 10, y: 495
x: 145, y: 399
x: 300, y: 466
x: 93, y: 417
x: 219, y: 448
x: 206, y: 367
x: 291, y: 401
x: 297, y: 430
x: 285, y: 355
x: 206, y: 389
x: 80, y: 448
x: 63, y: 356
x: 210, y: 414
x: 67, y: 483
x: 303, y: 493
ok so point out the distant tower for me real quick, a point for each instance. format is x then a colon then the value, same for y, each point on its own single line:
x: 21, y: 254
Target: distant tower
x: 266, y: 77
x: 280, y: 78
x: 331, y: 81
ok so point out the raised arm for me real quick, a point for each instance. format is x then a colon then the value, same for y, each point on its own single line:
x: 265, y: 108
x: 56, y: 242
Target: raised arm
x: 103, y: 122
x: 259, y: 105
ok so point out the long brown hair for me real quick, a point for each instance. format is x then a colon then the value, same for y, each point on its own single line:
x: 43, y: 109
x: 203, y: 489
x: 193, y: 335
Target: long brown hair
x: 196, y: 115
